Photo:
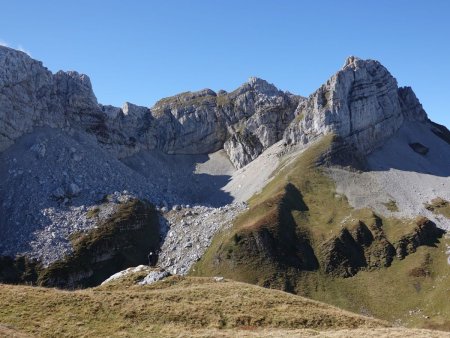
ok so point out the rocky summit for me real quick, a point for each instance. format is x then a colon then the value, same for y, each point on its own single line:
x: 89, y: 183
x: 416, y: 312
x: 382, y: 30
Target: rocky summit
x: 361, y: 103
x: 312, y: 195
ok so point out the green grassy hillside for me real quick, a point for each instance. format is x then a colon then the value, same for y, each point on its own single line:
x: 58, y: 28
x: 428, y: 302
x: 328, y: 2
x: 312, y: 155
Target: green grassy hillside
x: 300, y: 236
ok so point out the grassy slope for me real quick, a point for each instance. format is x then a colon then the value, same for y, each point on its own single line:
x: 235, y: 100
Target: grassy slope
x: 180, y: 307
x: 251, y: 251
x: 393, y: 293
x: 166, y: 308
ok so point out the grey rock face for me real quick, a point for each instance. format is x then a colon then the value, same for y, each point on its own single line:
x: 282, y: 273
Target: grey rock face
x: 258, y: 115
x: 31, y: 96
x: 200, y: 122
x: 411, y: 107
x: 361, y: 103
x: 188, y: 123
x: 243, y: 147
x: 206, y: 121
x: 128, y: 129
x: 26, y: 96
x: 75, y: 92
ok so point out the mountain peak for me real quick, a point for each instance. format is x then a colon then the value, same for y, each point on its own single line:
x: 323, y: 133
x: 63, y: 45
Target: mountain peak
x: 254, y: 80
x: 351, y: 61
x: 9, y: 50
x: 361, y: 103
x: 260, y: 85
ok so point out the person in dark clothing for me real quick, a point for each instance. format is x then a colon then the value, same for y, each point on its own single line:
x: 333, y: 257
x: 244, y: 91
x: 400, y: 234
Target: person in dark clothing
x: 153, y: 258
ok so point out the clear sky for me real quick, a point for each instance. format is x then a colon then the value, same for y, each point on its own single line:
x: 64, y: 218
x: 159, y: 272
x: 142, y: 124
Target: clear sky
x: 140, y: 51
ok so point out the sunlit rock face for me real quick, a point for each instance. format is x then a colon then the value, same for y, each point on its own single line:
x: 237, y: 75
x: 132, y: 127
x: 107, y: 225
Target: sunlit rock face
x: 361, y: 103
x: 189, y: 123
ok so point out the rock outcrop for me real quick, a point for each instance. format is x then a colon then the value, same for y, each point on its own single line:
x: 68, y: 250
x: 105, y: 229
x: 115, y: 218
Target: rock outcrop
x: 121, y: 241
x: 258, y: 114
x: 361, y: 103
x: 243, y: 147
x: 27, y: 96
x: 425, y: 233
x: 189, y: 123
x: 362, y: 246
x: 31, y: 96
x: 244, y: 122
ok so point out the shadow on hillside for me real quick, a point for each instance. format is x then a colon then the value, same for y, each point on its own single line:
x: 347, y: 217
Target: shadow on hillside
x: 176, y: 179
x: 415, y: 148
x: 48, y: 160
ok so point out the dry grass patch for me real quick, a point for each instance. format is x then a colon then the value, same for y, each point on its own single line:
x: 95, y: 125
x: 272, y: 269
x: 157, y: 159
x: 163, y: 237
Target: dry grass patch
x: 391, y: 205
x: 439, y: 206
x: 164, y: 307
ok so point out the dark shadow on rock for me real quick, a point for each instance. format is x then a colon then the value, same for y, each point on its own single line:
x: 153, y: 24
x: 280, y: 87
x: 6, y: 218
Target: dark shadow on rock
x: 416, y: 147
x: 176, y: 179
x: 426, y: 233
x: 440, y: 131
x: 47, y: 159
x: 293, y: 247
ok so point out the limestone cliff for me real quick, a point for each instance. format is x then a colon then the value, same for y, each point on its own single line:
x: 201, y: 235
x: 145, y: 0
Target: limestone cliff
x: 189, y: 123
x: 361, y: 103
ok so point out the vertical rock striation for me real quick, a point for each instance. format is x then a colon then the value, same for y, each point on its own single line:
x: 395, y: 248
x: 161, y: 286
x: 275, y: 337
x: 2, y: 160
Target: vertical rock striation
x: 361, y: 103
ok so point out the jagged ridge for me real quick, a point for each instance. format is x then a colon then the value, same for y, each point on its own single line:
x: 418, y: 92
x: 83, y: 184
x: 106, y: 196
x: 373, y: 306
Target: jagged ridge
x: 189, y: 123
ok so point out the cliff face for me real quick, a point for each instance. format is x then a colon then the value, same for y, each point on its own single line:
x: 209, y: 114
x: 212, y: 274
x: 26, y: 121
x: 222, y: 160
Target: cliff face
x: 361, y: 103
x: 189, y: 123
x: 244, y: 122
x: 31, y: 96
x: 27, y: 96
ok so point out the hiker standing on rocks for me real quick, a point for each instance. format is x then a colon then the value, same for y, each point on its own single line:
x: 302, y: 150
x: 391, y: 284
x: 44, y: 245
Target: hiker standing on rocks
x: 153, y: 257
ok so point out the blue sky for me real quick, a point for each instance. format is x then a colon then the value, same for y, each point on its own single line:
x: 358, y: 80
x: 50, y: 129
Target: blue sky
x: 140, y: 51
